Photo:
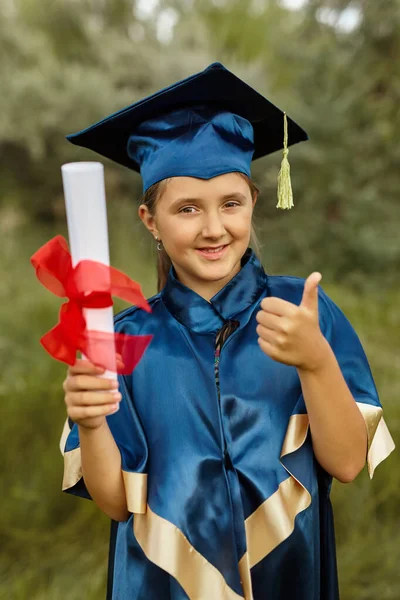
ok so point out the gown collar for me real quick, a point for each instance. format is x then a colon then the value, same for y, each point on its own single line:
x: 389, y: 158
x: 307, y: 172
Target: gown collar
x: 201, y: 316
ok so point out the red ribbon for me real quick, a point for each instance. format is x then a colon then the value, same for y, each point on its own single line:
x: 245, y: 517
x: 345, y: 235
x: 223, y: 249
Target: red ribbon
x: 88, y: 285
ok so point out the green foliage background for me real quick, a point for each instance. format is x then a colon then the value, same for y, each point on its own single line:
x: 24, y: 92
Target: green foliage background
x: 66, y: 63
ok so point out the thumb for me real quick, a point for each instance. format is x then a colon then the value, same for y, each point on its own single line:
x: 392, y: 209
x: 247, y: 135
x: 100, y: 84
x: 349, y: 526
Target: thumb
x: 310, y: 293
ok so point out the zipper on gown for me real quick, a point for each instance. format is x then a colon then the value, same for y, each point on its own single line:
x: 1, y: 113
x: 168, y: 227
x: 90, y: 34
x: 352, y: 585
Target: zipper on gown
x: 228, y: 328
x: 234, y: 493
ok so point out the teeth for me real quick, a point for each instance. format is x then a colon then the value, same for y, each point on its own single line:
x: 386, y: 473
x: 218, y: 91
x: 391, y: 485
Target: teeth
x: 213, y: 249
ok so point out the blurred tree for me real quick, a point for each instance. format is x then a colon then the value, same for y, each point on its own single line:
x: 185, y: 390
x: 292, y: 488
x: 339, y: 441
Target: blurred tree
x: 64, y: 64
x: 333, y: 66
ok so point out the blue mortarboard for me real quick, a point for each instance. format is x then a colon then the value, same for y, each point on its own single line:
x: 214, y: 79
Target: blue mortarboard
x: 203, y: 126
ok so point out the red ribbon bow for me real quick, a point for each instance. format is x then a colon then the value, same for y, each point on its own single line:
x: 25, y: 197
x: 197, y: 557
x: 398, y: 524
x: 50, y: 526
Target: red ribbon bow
x: 88, y: 285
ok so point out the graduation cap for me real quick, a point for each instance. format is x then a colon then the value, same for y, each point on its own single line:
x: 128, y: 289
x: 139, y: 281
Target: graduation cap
x: 205, y: 125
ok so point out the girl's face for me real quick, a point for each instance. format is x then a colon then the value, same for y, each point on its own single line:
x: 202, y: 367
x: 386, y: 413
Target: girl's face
x: 204, y: 226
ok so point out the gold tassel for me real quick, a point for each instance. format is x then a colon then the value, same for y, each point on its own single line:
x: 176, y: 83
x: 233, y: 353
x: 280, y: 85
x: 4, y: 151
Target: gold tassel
x: 285, y: 194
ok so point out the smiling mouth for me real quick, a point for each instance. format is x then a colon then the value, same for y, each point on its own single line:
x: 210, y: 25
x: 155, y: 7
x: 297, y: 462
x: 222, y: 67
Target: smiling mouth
x: 211, y: 252
x: 212, y: 248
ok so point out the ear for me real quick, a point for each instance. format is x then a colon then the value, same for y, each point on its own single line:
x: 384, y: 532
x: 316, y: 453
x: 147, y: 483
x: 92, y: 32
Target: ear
x: 148, y: 220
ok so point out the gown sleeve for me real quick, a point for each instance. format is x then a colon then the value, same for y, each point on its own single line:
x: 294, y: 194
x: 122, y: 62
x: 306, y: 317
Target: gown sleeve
x: 357, y: 374
x: 129, y: 436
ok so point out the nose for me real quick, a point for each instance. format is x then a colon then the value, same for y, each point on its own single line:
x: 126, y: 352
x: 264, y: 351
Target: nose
x: 213, y: 226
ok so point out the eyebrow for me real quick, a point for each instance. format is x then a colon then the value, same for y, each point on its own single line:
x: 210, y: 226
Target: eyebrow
x: 232, y: 196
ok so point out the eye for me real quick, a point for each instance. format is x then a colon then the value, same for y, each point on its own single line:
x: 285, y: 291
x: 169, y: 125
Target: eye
x: 232, y: 204
x: 185, y: 210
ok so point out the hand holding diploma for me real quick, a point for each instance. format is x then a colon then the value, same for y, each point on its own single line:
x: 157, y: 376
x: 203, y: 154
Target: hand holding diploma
x: 89, y: 397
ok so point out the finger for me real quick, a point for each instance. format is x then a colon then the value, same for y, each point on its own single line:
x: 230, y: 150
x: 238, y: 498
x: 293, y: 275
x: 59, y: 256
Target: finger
x: 270, y: 320
x: 119, y: 360
x: 84, y: 366
x: 310, y: 293
x: 81, y: 382
x: 266, y: 334
x: 279, y: 307
x: 120, y: 364
x: 92, y: 398
x: 267, y: 348
x: 86, y: 412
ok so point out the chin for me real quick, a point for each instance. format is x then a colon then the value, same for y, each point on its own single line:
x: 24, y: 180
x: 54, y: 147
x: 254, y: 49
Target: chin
x: 215, y: 276
x: 216, y: 271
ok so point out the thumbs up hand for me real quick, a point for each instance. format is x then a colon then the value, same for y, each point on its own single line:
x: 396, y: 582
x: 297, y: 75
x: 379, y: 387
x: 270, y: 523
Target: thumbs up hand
x: 290, y: 334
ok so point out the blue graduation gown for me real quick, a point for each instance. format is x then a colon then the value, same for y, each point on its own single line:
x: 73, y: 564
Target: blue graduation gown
x: 227, y: 500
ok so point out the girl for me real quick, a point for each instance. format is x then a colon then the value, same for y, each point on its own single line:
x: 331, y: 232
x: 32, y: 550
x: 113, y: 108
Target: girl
x: 254, y: 392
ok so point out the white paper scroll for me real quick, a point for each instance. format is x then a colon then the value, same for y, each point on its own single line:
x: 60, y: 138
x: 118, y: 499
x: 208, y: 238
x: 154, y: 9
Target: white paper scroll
x: 85, y: 202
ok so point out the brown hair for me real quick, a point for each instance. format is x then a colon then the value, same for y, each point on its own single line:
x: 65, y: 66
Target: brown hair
x: 150, y: 199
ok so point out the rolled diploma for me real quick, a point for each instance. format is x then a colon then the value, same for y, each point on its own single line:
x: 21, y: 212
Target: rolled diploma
x: 85, y: 202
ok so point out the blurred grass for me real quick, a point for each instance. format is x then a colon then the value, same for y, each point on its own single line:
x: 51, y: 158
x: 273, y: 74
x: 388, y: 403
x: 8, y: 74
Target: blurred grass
x: 367, y: 512
x: 54, y: 546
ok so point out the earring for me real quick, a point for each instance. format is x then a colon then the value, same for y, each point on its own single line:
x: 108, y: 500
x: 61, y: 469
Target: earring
x: 159, y: 244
